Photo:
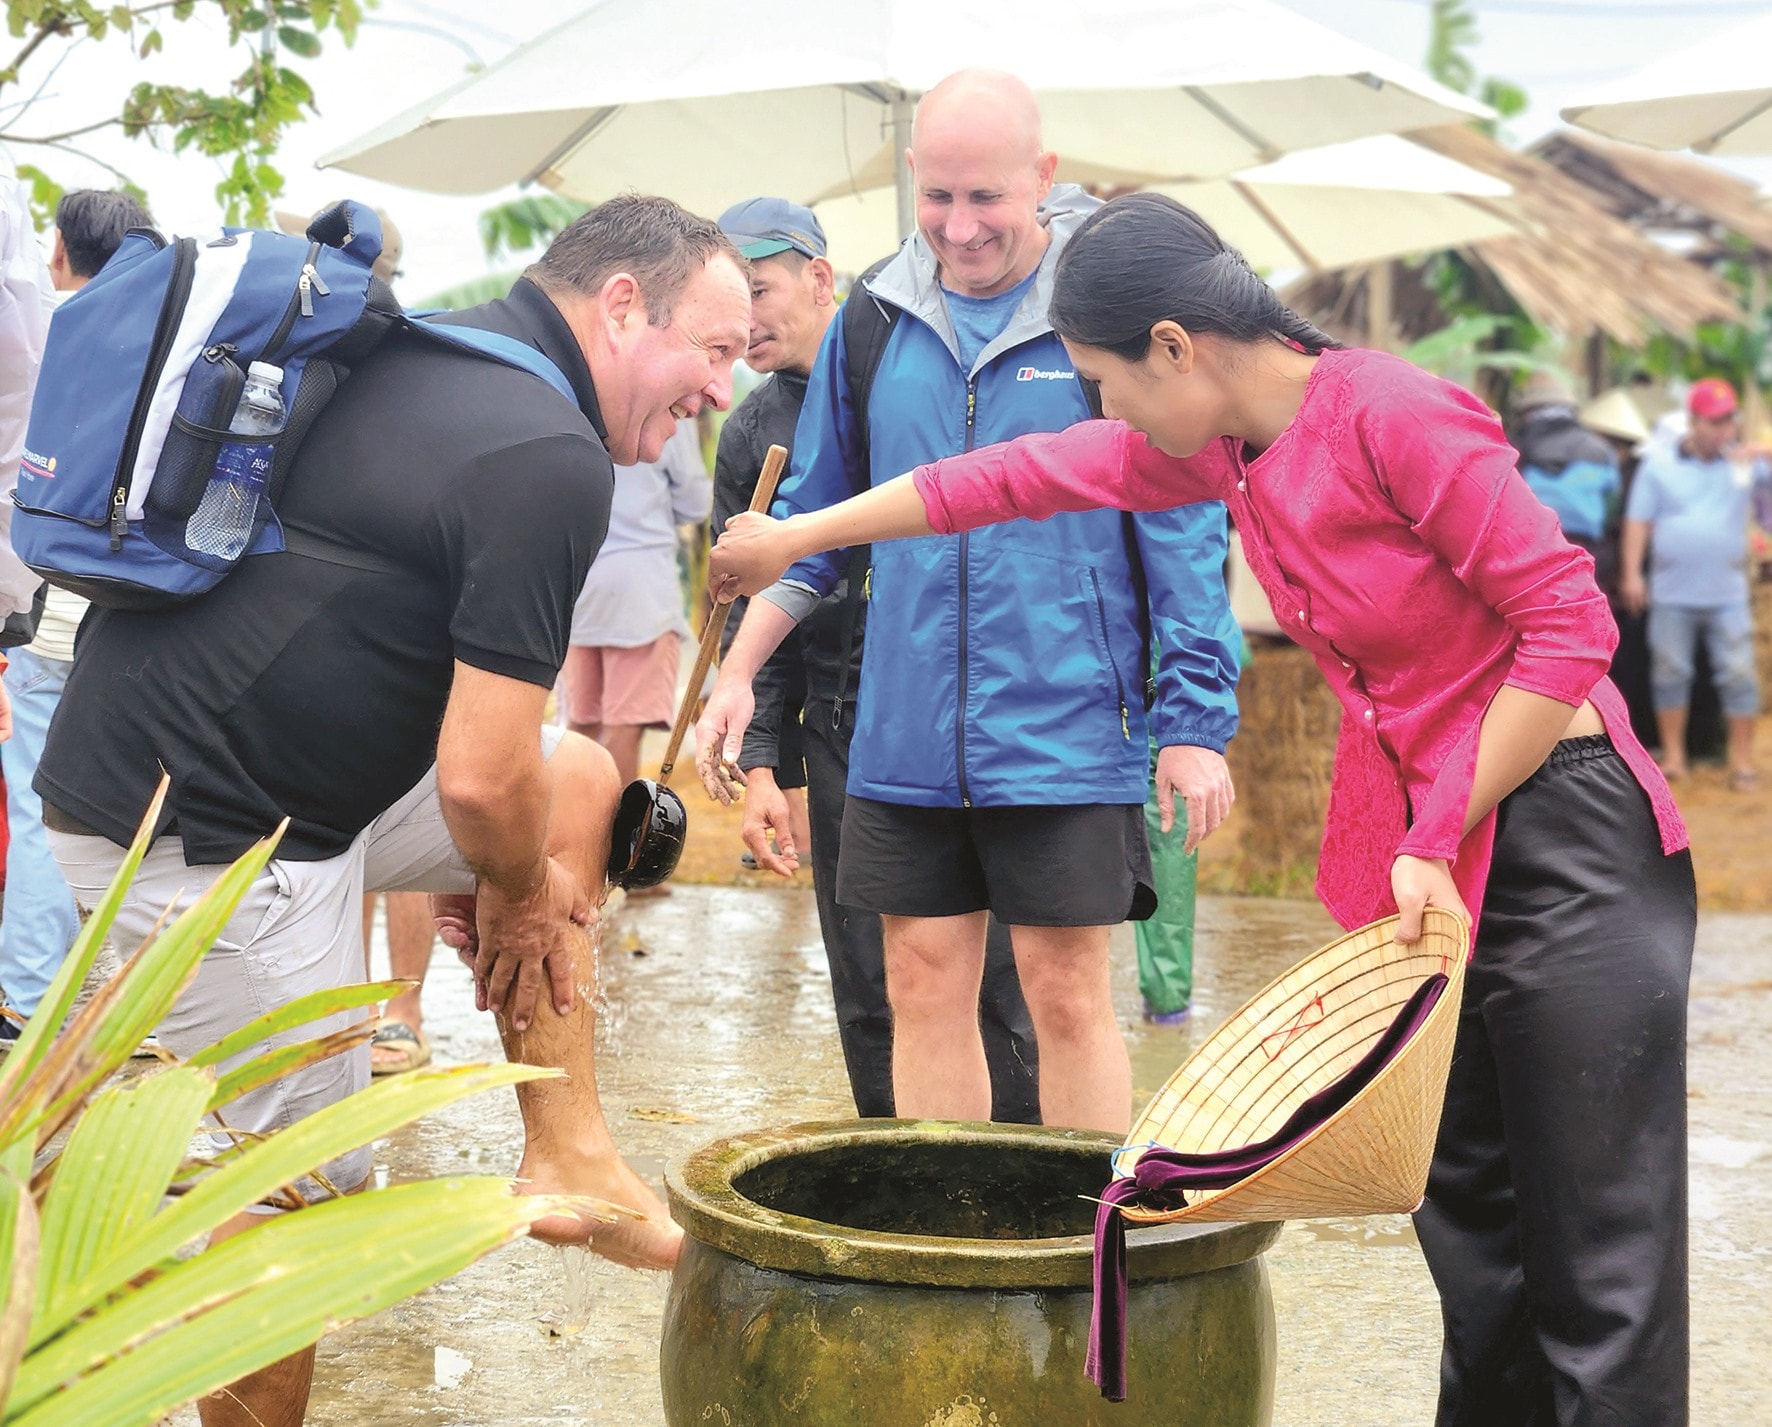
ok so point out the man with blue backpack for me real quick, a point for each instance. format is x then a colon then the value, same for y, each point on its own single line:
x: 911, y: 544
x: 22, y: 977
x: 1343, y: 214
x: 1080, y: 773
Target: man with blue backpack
x: 380, y: 680
x: 999, y: 762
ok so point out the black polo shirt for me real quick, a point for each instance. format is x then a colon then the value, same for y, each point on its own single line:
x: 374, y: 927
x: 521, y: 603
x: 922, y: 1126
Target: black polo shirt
x: 305, y: 687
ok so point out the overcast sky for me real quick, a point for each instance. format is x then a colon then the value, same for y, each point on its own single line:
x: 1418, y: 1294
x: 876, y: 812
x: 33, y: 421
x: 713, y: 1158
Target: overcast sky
x: 409, y: 49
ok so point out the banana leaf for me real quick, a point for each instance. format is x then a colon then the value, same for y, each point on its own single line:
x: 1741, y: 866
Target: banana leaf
x: 284, y: 1060
x: 40, y: 1034
x: 315, y: 1006
x: 278, y: 1160
x: 18, y: 1269
x: 105, y: 1034
x: 265, y: 1294
x: 110, y: 1179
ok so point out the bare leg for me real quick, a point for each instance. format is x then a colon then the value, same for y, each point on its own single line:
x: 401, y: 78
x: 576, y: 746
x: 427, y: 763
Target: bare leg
x: 567, y: 1146
x: 1741, y: 746
x: 1672, y: 724
x: 1085, y: 1075
x: 934, y: 967
x: 411, y: 936
x: 274, y: 1396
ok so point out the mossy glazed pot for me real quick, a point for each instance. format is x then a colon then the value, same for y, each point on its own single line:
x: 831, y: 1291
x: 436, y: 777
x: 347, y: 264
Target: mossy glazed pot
x: 902, y: 1273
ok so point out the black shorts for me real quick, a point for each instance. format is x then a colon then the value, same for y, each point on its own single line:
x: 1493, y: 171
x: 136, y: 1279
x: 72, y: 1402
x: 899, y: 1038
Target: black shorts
x: 1086, y: 866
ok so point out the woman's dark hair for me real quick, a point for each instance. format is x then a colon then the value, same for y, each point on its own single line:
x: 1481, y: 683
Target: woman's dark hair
x: 1144, y: 258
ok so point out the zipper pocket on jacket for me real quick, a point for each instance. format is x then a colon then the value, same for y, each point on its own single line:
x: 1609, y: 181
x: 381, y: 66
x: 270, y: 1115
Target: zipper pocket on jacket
x: 178, y: 292
x: 1107, y: 650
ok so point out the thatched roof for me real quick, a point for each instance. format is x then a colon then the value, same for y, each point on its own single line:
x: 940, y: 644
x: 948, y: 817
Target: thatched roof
x: 1578, y: 269
x: 1666, y: 192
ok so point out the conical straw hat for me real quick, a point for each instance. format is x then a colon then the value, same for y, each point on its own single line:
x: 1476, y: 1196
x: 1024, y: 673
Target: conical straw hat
x: 1294, y: 1039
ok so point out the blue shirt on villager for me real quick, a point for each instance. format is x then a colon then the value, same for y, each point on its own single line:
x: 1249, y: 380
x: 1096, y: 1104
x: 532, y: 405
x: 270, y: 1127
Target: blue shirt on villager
x: 1698, y: 514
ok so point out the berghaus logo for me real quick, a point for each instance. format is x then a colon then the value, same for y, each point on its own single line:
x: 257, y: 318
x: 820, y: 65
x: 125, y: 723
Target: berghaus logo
x: 1034, y: 374
x: 31, y: 464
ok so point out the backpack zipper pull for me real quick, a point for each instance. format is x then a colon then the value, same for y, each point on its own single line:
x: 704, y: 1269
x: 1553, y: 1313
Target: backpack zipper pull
x: 119, y: 517
x: 1125, y: 724
x: 308, y: 284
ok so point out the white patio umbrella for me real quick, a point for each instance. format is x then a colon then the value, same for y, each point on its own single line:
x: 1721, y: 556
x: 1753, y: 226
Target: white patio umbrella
x: 1342, y: 205
x: 1714, y: 96
x: 737, y: 97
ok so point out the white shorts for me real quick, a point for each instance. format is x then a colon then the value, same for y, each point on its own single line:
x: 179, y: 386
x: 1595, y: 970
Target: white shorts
x: 299, y: 929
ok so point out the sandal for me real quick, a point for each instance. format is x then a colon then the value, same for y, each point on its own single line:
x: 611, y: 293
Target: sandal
x: 1743, y: 780
x: 397, y: 1035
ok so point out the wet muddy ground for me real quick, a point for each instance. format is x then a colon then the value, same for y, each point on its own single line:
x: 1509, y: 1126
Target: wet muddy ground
x: 718, y: 1019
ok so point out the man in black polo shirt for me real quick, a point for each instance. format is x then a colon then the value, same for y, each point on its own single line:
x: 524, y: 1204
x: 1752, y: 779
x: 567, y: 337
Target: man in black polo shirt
x: 388, y: 696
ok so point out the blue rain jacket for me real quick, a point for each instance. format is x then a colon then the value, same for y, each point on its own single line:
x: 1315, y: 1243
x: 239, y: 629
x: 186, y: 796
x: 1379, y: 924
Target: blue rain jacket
x: 1007, y: 666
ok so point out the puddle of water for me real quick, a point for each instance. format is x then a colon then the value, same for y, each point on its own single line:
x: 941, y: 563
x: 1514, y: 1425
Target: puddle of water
x: 450, y: 1367
x: 1381, y: 1231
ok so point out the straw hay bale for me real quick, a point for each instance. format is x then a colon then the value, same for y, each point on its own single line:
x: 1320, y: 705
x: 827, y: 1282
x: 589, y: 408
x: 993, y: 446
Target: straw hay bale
x: 1280, y: 761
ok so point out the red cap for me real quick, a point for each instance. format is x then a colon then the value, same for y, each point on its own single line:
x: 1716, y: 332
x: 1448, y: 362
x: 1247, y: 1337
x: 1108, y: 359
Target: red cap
x: 1711, y: 398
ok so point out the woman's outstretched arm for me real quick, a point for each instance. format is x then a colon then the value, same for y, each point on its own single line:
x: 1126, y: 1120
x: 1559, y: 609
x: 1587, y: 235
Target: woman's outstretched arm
x: 755, y: 549
x: 1090, y: 466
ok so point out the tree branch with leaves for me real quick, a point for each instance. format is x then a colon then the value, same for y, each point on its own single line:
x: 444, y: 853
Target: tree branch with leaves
x: 239, y: 125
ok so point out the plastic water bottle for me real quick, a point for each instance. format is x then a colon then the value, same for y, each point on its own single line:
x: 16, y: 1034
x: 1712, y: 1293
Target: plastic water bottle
x: 222, y: 523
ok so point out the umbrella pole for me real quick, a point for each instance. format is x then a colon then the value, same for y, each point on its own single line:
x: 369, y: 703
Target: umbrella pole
x: 1378, y: 306
x: 903, y: 109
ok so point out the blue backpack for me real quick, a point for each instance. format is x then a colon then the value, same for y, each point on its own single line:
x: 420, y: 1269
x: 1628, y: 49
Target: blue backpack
x: 144, y: 367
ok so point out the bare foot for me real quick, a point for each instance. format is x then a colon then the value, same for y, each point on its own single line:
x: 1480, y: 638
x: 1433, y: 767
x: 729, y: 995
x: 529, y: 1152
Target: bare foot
x: 650, y: 1241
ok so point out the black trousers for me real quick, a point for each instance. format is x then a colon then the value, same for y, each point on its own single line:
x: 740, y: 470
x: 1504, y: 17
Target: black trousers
x: 853, y: 947
x: 1555, y: 1220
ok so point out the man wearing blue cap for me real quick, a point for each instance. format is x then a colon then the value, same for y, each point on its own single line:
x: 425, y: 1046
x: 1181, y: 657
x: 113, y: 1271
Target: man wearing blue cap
x: 818, y: 670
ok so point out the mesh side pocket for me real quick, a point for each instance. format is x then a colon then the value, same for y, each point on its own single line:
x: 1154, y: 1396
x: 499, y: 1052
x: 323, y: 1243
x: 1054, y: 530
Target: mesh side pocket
x: 319, y: 380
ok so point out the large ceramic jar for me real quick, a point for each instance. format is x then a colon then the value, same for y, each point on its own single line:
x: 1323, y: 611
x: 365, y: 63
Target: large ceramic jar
x: 895, y: 1273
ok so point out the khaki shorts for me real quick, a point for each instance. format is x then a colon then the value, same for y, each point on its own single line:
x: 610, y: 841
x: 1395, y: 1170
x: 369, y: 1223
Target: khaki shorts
x: 622, y: 688
x: 299, y: 929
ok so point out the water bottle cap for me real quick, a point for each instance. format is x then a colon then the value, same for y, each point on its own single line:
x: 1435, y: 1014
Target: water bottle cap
x: 266, y: 372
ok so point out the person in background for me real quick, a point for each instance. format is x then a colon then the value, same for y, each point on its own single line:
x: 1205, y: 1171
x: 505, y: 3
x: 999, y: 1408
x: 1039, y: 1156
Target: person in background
x: 793, y: 298
x: 620, y: 677
x: 1570, y: 468
x: 1693, y: 498
x: 41, y: 921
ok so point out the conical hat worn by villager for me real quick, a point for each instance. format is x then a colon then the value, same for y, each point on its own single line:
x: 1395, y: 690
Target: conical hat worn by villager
x: 1294, y: 1039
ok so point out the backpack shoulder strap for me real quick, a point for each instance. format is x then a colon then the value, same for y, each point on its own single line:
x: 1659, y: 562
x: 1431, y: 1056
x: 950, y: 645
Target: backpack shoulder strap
x: 499, y: 348
x: 867, y: 324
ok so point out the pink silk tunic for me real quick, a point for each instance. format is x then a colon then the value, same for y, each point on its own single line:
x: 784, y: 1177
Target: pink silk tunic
x: 1397, y: 543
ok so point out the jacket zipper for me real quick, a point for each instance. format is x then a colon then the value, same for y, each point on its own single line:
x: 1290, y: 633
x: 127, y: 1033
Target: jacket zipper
x: 965, y: 549
x: 178, y: 292
x: 1108, y: 649
x: 301, y: 304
